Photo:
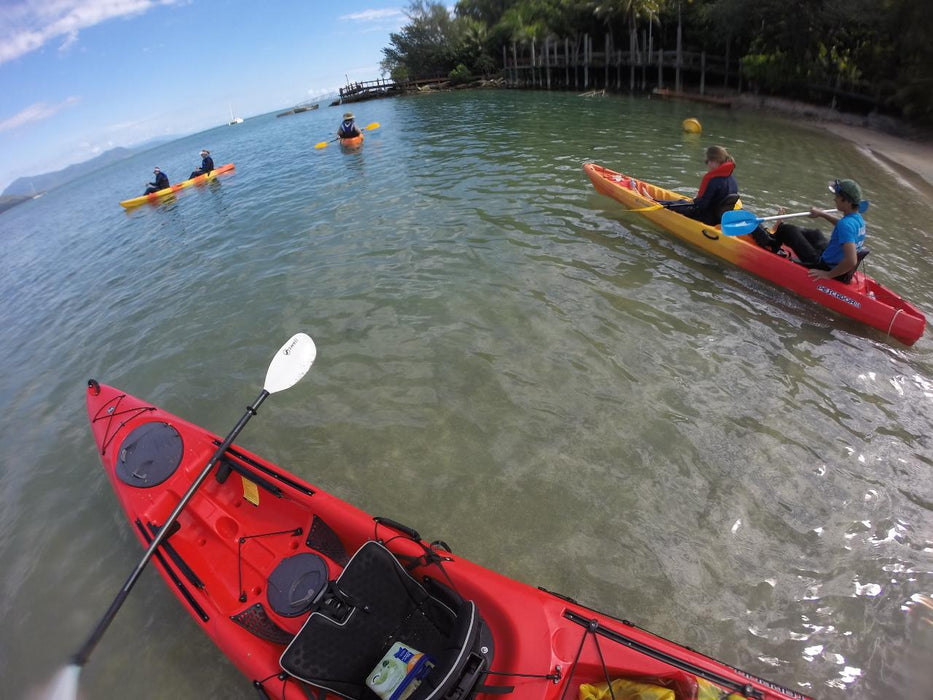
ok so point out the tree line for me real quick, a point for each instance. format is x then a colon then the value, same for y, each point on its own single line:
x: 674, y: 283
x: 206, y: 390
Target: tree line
x: 873, y: 54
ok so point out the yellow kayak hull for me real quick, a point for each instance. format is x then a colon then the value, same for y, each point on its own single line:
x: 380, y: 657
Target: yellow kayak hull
x: 158, y: 196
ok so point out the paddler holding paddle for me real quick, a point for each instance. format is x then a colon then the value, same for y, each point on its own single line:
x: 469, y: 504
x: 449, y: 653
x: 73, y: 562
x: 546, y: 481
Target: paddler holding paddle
x: 836, y: 257
x: 348, y: 128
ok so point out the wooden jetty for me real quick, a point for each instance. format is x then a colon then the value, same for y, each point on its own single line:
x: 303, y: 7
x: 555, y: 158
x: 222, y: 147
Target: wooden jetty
x: 373, y: 89
x: 564, y: 63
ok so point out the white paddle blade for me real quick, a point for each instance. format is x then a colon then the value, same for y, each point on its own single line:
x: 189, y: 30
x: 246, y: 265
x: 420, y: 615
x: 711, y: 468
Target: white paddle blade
x: 64, y: 686
x: 290, y: 363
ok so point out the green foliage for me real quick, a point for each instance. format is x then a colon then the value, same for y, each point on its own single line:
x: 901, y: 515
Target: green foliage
x: 879, y: 49
x: 459, y: 75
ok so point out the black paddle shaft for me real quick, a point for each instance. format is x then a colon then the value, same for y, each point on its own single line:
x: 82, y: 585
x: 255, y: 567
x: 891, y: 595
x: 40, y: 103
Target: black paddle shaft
x: 81, y: 657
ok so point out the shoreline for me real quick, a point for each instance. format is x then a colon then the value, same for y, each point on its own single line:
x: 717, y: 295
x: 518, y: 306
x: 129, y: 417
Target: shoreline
x: 909, y: 158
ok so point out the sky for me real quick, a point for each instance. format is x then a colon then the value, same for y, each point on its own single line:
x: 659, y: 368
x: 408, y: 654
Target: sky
x: 79, y: 77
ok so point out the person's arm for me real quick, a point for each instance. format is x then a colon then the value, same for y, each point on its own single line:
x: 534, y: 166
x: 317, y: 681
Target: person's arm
x: 821, y: 214
x: 848, y: 262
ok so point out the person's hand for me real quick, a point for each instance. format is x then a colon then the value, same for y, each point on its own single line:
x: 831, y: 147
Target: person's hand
x: 818, y: 274
x: 814, y: 212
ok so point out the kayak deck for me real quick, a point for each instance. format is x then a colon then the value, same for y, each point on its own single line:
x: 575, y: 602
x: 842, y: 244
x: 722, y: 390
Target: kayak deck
x: 286, y: 577
x: 160, y: 195
x: 863, y: 298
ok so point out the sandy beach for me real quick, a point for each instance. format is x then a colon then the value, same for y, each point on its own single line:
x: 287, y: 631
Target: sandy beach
x: 911, y: 161
x: 908, y: 158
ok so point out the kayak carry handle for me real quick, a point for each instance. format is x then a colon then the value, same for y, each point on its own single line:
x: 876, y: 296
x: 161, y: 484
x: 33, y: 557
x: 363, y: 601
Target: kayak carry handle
x: 388, y: 522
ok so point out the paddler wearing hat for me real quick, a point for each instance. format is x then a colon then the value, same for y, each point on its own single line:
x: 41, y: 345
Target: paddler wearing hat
x: 207, y: 164
x: 348, y: 128
x: 829, y: 259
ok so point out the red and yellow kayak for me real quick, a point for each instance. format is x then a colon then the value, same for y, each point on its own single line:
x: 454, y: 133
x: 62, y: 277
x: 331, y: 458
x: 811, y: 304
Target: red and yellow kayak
x: 158, y: 196
x: 306, y: 593
x: 863, y: 298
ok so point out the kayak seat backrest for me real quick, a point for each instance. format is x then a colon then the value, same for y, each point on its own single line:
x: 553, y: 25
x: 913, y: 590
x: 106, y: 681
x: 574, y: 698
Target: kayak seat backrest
x: 727, y: 204
x: 373, y: 604
x: 847, y: 277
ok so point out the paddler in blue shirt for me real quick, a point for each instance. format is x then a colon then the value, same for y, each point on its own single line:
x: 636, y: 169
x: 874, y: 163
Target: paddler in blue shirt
x: 838, y: 256
x: 348, y: 128
x: 160, y: 183
x: 207, y: 164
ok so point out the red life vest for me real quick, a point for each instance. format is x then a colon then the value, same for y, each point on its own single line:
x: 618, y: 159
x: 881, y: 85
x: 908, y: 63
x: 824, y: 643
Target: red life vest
x: 724, y: 170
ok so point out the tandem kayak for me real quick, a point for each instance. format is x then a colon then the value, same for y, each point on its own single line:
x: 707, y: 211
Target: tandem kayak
x: 306, y: 593
x: 159, y: 195
x: 863, y: 298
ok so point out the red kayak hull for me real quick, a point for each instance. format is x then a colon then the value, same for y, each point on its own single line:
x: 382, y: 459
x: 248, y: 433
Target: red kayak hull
x: 233, y: 534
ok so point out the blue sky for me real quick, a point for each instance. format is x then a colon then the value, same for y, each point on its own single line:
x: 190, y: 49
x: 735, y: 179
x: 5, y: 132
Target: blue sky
x: 78, y: 77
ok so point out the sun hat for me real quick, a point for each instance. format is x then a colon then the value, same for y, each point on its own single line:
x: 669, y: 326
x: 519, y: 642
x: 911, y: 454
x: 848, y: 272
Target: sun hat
x: 348, y: 115
x: 849, y: 189
x: 156, y: 169
x: 204, y: 150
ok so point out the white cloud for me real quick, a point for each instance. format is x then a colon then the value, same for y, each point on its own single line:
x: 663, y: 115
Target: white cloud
x: 35, y: 113
x: 372, y: 15
x: 27, y: 25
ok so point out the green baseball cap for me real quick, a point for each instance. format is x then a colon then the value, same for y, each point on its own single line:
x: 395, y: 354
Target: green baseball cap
x: 849, y: 189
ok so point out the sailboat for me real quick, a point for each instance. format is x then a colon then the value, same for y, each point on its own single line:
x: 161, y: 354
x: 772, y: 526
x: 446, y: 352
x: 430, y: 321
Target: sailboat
x: 234, y: 120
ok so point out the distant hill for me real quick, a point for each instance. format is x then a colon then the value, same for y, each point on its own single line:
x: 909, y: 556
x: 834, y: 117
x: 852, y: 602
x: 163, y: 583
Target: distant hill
x: 41, y: 183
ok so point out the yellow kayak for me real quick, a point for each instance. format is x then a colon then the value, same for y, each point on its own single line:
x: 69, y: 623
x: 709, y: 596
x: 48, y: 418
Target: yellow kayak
x: 158, y: 196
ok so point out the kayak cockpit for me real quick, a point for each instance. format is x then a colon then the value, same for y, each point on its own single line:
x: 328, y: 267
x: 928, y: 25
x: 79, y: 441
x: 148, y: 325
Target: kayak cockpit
x: 373, y: 604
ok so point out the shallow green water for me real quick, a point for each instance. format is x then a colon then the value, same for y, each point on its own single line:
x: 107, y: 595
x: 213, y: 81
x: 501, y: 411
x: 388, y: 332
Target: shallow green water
x: 506, y: 361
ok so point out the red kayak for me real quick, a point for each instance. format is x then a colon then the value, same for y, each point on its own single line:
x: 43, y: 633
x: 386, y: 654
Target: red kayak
x: 304, y: 592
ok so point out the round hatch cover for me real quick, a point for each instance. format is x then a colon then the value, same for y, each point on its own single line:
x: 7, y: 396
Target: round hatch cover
x: 149, y: 455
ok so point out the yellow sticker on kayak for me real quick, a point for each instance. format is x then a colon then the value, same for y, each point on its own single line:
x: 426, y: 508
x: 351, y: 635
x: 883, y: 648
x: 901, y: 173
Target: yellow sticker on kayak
x: 250, y: 491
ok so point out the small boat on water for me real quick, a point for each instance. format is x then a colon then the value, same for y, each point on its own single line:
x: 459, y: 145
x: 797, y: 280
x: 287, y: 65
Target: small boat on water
x: 862, y: 298
x: 298, y: 109
x: 234, y: 120
x: 308, y: 595
x: 158, y: 196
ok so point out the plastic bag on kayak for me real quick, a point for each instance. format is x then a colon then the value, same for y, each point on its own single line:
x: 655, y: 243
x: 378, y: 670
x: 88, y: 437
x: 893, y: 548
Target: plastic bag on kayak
x: 623, y: 689
x: 675, y: 686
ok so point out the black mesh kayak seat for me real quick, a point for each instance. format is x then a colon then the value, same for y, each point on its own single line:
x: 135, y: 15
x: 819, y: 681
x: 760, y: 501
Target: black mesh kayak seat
x: 373, y: 604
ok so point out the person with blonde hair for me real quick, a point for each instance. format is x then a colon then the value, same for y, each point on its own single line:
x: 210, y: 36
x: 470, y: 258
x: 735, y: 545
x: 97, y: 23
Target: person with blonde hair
x: 716, y: 188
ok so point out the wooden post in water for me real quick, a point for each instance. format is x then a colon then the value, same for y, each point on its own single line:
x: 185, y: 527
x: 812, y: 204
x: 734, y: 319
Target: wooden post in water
x: 679, y: 51
x: 587, y: 48
x: 547, y: 59
x: 515, y: 62
x: 703, y: 72
x: 567, y: 62
x: 534, y: 65
x: 606, y: 44
x: 660, y: 68
x: 632, y: 38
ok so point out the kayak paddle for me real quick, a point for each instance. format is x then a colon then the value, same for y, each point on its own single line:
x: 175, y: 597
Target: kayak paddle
x: 289, y: 365
x: 738, y: 222
x: 369, y: 127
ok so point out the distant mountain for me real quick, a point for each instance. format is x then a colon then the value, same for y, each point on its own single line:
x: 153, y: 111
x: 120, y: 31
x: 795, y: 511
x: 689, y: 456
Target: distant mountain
x: 40, y: 183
